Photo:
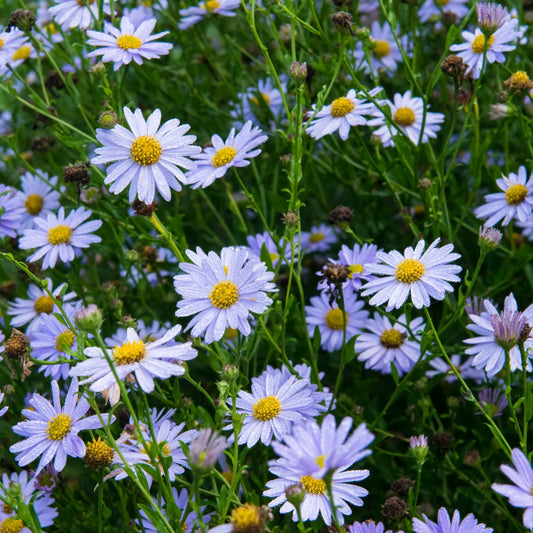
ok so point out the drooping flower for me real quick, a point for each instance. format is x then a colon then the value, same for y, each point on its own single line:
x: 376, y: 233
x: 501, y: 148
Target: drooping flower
x: 222, y: 291
x: 59, y: 236
x: 70, y: 14
x: 469, y: 524
x: 130, y: 43
x: 520, y: 493
x: 235, y: 151
x: 333, y: 322
x: 310, y: 452
x: 515, y: 202
x: 408, y: 114
x: 494, y: 400
x: 51, y: 430
x: 390, y: 343
x: 342, y: 114
x: 416, y: 273
x: 147, y: 157
x: 277, y: 401
x: 193, y: 14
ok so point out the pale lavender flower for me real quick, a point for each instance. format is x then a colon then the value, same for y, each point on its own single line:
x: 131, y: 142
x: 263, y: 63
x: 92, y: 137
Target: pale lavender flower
x: 368, y: 527
x: 51, y: 430
x: 194, y: 14
x: 281, y: 249
x: 469, y: 524
x: 520, y: 494
x: 421, y: 441
x: 11, y: 211
x: 70, y: 14
x: 490, y: 16
x: 491, y: 237
x: 318, y: 239
x: 440, y: 367
x: 430, y: 8
x: 206, y: 448
x: 494, y: 399
x: 3, y: 410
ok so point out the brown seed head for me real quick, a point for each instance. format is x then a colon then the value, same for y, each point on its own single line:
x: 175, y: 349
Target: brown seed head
x: 77, y: 173
x: 340, y: 216
x: 395, y: 508
x: 143, y: 210
x: 22, y: 19
x: 402, y: 485
x: 17, y: 346
x: 454, y: 67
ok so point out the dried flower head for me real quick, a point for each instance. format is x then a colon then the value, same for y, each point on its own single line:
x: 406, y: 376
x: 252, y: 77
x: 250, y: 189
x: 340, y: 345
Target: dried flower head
x: 454, y: 67
x: 340, y: 216
x: 519, y: 81
x: 98, y: 454
x: 17, y: 346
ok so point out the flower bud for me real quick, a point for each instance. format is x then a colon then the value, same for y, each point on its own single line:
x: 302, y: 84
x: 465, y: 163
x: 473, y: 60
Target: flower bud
x: 88, y: 318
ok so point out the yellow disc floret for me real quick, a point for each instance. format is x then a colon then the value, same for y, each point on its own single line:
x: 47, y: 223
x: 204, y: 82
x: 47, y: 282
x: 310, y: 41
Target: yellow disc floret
x: 355, y: 269
x: 265, y: 97
x: 223, y: 156
x: 64, y: 340
x: 316, y: 237
x: 129, y: 352
x: 267, y: 408
x: 1, y: 43
x: 34, y: 204
x: 441, y: 2
x: 247, y: 517
x: 313, y: 485
x: 516, y: 194
x: 382, y: 49
x: 320, y: 460
x: 22, y: 53
x: 210, y: 5
x: 341, y: 107
x: 129, y: 41
x: 98, y: 454
x: 146, y: 150
x: 335, y: 319
x: 478, y: 44
x: 59, y: 234
x: 59, y: 427
x: 404, y: 116
x: 11, y: 525
x: 224, y: 294
x: 391, y: 338
x: 409, y: 270
x: 43, y: 304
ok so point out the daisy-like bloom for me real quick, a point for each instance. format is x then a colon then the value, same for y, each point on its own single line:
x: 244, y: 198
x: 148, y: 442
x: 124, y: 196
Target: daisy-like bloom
x: 332, y: 321
x: 50, y: 341
x: 387, y: 343
x: 147, y: 157
x: 304, y: 372
x: 355, y: 259
x: 128, y: 44
x: 318, y: 239
x: 469, y: 524
x: 169, y: 436
x: 235, y: 151
x: 194, y: 14
x: 39, y: 196
x: 520, y: 493
x: 247, y: 517
x: 307, y: 455
x: 276, y: 402
x: 188, y: 520
x: 256, y: 243
x: 416, y: 273
x: 11, y: 212
x: 368, y: 527
x: 499, y: 333
x: 441, y: 368
x: 430, y: 8
x: 144, y: 360
x: 71, y: 14
x: 493, y: 400
x: 38, y: 304
x: 472, y: 51
x: 368, y: 6
x: 51, y: 430
x: 222, y: 291
x: 10, y: 42
x: 206, y: 448
x: 57, y: 236
x: 41, y: 503
x: 491, y: 16
x: 515, y: 202
x: 341, y: 115
x: 385, y: 55
x: 407, y: 116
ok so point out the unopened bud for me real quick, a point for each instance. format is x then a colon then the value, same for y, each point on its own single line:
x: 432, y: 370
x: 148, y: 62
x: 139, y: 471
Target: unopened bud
x: 88, y: 318
x: 108, y: 119
x: 298, y: 71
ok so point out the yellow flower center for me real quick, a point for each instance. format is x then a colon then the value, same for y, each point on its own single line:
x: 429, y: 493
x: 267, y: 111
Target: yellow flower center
x: 316, y: 237
x: 441, y: 2
x: 313, y: 485
x: 231, y: 333
x: 98, y: 453
x: 267, y: 408
x: 341, y: 107
x: 224, y: 294
x: 50, y: 28
x: 273, y: 257
x: 58, y: 427
x: 516, y: 194
x: 145, y: 150
x: 265, y: 97
x: 381, y: 49
x: 478, y: 44
x: 355, y: 269
x: 223, y: 156
x: 320, y: 460
x: 11, y: 525
x: 64, y: 340
x: 409, y: 271
x: 59, y: 235
x: 129, y: 41
x: 245, y: 516
x: 34, y: 204
x: 164, y: 448
x: 520, y: 77
x: 404, y: 116
x: 210, y: 5
x: 1, y: 43
x: 84, y: 2
x: 22, y: 53
x: 335, y: 319
x: 391, y: 338
x: 43, y: 304
x: 129, y: 352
